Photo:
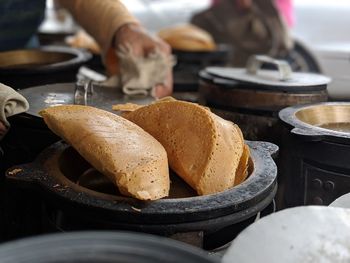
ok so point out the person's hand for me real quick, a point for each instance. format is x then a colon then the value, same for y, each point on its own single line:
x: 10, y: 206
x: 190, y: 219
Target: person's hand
x: 142, y: 44
x: 3, y: 129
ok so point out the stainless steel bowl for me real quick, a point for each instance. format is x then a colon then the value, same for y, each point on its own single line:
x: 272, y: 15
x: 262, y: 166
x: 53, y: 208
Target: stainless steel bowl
x: 327, y: 120
x: 330, y: 116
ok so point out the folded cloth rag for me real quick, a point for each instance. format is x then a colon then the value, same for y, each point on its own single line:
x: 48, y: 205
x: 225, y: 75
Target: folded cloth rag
x: 139, y: 75
x: 11, y: 103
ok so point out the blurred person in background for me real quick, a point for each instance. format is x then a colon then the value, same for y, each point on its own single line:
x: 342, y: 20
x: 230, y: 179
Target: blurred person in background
x: 249, y: 26
x: 108, y: 21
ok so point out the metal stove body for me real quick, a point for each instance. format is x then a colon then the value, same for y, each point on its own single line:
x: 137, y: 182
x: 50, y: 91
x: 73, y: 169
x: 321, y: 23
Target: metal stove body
x: 314, y: 161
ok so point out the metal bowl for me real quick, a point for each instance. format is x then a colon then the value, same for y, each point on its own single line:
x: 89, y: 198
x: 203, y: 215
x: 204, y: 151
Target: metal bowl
x: 334, y: 117
x: 32, y: 59
x: 327, y: 120
x: 50, y: 64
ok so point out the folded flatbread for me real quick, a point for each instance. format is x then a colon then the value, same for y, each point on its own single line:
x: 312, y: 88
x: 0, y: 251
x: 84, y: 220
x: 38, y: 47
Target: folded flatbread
x: 204, y: 149
x: 130, y: 157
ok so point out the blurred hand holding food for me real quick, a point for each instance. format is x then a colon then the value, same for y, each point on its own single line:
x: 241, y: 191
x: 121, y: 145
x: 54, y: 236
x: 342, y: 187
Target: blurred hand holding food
x: 117, y: 29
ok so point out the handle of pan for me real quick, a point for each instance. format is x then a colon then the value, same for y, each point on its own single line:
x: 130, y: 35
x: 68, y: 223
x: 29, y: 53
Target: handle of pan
x: 255, y: 63
x: 267, y: 147
x: 83, y: 89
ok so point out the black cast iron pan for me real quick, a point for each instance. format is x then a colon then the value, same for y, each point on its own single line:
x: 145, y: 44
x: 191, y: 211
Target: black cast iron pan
x: 57, y: 172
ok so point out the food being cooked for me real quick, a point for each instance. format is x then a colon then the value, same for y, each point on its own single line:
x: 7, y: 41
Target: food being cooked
x: 207, y: 151
x: 242, y: 169
x: 130, y: 157
x: 83, y: 40
x: 188, y: 38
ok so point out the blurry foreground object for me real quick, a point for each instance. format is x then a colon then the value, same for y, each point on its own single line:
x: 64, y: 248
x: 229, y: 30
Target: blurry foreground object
x: 187, y: 38
x: 98, y: 247
x: 300, y: 234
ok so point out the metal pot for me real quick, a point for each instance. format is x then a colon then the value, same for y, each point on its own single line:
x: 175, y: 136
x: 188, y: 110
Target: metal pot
x: 80, y: 199
x: 189, y: 64
x: 101, y: 247
x: 253, y: 96
x: 48, y: 64
x: 314, y: 153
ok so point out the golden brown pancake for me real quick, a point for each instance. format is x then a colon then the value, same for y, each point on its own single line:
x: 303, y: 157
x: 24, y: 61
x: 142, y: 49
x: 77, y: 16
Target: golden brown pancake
x: 204, y: 149
x: 130, y: 157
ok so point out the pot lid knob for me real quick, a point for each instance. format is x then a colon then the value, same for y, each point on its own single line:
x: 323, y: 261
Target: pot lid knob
x: 255, y: 63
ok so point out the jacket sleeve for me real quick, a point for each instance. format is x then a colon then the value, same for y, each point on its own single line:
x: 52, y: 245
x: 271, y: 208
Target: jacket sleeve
x: 100, y: 18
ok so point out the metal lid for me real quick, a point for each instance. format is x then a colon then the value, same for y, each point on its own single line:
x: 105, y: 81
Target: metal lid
x: 101, y: 247
x: 300, y: 234
x: 42, y: 97
x: 282, y: 80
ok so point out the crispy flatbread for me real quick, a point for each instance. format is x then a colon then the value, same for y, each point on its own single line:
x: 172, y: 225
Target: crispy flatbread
x: 204, y: 149
x: 130, y: 157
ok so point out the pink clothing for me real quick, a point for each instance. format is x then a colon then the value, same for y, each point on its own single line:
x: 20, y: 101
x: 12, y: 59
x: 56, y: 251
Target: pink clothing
x: 285, y: 7
x: 214, y: 2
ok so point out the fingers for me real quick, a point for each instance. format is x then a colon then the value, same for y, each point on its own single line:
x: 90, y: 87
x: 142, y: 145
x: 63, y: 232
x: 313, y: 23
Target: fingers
x: 166, y: 89
x: 141, y: 42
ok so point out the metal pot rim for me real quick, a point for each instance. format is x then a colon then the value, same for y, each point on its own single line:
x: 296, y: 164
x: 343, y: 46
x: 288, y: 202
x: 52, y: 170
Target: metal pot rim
x: 80, y: 56
x: 289, y: 116
x: 252, y: 191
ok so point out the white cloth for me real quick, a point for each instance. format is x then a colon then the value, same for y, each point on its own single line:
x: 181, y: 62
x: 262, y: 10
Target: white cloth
x: 139, y: 75
x: 11, y: 103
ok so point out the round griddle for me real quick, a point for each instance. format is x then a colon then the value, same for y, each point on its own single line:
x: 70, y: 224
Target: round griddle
x: 300, y: 234
x: 42, y: 97
x: 101, y: 247
x: 282, y: 79
x: 48, y: 64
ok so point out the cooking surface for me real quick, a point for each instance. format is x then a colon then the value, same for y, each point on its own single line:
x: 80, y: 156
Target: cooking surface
x: 269, y: 79
x: 42, y: 97
x: 92, y: 179
x: 334, y: 116
x: 58, y: 169
x: 31, y: 58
